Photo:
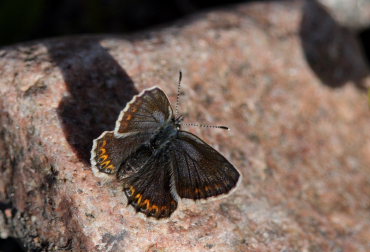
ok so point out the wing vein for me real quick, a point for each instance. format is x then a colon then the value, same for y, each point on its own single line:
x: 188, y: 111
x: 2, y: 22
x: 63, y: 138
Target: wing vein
x: 196, y: 171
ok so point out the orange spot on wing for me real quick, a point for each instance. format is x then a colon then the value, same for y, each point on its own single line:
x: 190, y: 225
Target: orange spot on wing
x: 111, y: 167
x: 102, y: 151
x: 217, y: 186
x: 155, y: 207
x: 139, y: 197
x: 129, y: 117
x: 106, y: 163
x: 104, y: 157
x: 132, y: 189
x: 147, y: 203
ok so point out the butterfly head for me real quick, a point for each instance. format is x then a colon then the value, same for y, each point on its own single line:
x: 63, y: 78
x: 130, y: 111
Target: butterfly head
x: 177, y: 121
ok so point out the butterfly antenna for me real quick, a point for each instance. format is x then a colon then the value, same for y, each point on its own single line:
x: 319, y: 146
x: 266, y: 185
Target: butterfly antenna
x: 181, y: 118
x: 206, y: 126
x: 178, y: 94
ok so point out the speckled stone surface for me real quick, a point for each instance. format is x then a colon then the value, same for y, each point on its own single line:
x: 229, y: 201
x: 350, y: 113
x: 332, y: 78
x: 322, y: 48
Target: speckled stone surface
x: 299, y: 133
x: 352, y: 14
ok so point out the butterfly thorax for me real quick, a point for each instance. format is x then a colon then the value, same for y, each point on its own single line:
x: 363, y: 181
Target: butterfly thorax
x: 157, y: 144
x: 163, y: 136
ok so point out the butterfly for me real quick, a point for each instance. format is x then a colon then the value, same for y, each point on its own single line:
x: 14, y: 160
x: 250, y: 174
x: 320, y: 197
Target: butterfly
x: 156, y: 161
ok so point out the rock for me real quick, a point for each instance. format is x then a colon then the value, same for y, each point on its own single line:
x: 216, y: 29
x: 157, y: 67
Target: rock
x: 352, y: 14
x: 301, y: 144
x: 332, y: 51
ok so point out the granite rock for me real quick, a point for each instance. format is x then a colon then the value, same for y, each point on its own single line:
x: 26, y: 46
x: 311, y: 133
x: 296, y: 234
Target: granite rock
x: 299, y: 133
x: 354, y: 14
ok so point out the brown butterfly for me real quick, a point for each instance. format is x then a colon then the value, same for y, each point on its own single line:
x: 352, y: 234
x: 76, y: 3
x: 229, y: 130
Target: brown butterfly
x: 157, y: 162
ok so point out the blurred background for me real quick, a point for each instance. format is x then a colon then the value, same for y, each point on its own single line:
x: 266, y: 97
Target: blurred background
x: 26, y: 20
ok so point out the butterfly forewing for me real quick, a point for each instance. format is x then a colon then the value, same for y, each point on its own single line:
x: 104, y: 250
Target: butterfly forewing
x: 145, y: 113
x: 199, y: 170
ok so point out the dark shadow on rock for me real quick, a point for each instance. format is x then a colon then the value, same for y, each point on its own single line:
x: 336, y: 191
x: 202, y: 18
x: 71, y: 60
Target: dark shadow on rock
x: 333, y: 52
x: 11, y: 245
x: 364, y: 37
x: 98, y: 89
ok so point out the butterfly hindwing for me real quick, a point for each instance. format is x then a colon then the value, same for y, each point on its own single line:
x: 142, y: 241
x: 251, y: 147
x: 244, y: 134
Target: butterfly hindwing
x: 149, y: 190
x: 109, y: 152
x: 144, y: 113
x: 199, y: 170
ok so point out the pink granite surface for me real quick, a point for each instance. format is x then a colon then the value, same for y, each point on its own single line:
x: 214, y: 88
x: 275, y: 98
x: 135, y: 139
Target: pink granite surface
x: 299, y: 134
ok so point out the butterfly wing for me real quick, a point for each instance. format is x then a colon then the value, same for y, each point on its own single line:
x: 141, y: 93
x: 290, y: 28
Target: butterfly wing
x: 145, y: 112
x: 199, y: 170
x: 109, y: 152
x: 137, y: 122
x: 149, y: 190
